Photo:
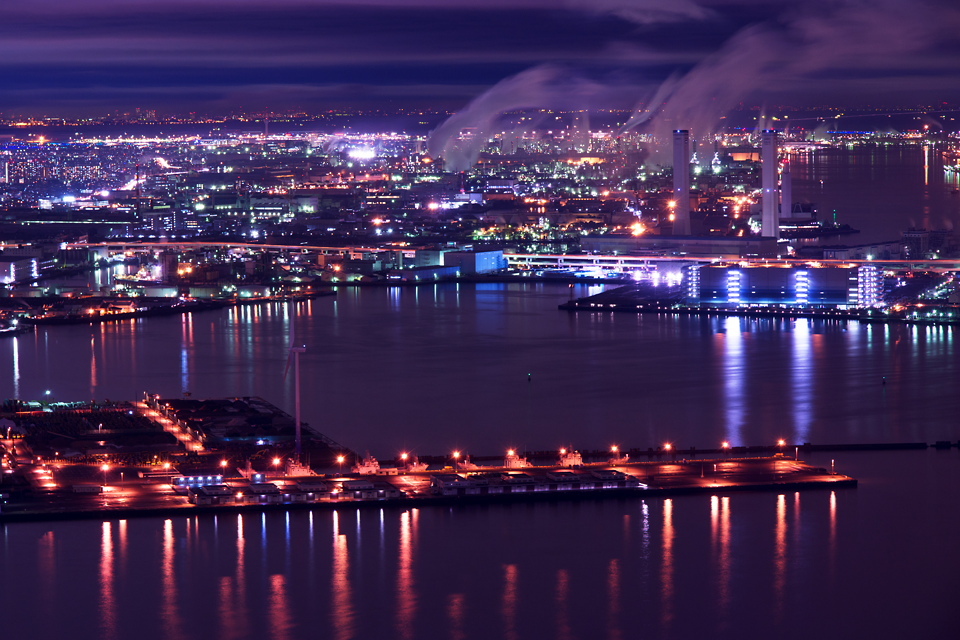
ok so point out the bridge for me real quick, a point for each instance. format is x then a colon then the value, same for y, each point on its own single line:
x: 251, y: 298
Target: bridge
x: 515, y: 260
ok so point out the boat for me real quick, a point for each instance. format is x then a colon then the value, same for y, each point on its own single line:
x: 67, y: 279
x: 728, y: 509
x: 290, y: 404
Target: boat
x: 804, y: 223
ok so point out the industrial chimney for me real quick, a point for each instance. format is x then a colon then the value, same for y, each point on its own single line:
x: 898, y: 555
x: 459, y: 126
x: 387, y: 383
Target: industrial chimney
x: 770, y: 216
x: 681, y: 182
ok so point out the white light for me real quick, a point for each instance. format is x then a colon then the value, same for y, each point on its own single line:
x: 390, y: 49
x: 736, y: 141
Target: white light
x: 362, y: 153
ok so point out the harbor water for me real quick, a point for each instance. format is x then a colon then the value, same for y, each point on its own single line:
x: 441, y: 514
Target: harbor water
x: 483, y: 367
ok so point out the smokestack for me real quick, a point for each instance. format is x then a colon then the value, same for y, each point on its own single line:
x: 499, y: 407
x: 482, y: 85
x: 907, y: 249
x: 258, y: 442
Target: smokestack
x: 786, y: 191
x: 681, y: 182
x: 770, y: 218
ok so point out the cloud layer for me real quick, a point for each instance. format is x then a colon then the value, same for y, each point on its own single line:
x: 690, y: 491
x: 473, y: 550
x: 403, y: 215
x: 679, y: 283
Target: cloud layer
x: 98, y: 55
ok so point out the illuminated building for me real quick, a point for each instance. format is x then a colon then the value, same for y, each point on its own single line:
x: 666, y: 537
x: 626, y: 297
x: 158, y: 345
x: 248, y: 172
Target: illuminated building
x: 15, y: 269
x: 742, y: 285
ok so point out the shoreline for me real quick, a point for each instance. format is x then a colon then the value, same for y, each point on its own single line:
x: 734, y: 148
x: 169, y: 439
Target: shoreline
x: 843, y: 482
x: 481, y: 486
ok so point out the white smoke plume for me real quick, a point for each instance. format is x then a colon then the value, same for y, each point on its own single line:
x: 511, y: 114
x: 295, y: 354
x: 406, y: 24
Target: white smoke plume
x: 842, y: 37
x: 850, y: 35
x: 545, y: 86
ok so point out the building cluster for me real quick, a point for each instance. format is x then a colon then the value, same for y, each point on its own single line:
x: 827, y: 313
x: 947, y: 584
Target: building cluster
x: 240, y: 212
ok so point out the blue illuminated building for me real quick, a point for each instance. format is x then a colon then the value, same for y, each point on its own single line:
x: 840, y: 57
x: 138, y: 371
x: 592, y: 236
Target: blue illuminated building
x: 804, y: 286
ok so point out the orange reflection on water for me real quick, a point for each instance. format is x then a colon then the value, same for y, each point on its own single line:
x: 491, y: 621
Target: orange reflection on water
x: 93, y: 368
x: 281, y: 620
x: 780, y: 556
x: 666, y: 570
x: 613, y: 599
x: 241, y: 581
x: 455, y: 610
x: 833, y: 534
x: 47, y: 549
x: 406, y: 595
x: 108, y: 601
x: 510, y: 602
x: 720, y: 536
x: 122, y: 526
x: 725, y: 569
x: 229, y: 620
x: 564, y: 631
x: 343, y: 614
x: 796, y: 518
x: 170, y: 608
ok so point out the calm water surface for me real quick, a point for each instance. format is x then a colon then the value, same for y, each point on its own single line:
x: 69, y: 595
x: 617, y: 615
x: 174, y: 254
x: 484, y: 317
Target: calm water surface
x: 443, y: 367
x: 446, y: 366
x: 879, y: 561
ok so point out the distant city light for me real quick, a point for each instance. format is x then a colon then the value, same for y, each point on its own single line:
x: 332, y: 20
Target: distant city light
x: 362, y: 153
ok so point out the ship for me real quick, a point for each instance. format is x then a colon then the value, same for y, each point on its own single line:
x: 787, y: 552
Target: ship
x: 803, y: 222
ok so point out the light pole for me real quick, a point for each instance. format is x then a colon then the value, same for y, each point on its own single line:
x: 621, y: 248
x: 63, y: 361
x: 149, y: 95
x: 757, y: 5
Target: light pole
x: 340, y: 460
x: 105, y: 467
x: 456, y: 460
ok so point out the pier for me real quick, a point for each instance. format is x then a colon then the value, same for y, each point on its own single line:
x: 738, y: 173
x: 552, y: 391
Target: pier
x: 59, y: 492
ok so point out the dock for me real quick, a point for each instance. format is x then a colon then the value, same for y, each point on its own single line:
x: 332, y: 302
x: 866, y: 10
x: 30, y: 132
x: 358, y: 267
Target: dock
x: 146, y: 496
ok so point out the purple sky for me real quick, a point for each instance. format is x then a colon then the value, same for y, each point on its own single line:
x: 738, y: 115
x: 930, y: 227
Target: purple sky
x: 66, y: 57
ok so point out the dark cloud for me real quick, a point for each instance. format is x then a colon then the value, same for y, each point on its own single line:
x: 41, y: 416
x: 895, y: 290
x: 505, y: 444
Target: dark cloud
x: 158, y: 53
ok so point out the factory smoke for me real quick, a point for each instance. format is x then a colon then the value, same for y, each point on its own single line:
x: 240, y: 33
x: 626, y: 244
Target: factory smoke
x: 461, y: 138
x: 783, y: 54
x: 798, y: 49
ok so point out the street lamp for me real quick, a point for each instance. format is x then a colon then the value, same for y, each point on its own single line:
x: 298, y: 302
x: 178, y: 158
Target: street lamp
x: 614, y: 449
x: 667, y: 446
x: 724, y: 445
x: 403, y: 458
x: 456, y: 460
x: 340, y: 460
x: 276, y: 464
x: 104, y: 468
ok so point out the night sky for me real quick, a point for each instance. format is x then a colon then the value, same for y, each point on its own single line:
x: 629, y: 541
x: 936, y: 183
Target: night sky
x: 70, y: 57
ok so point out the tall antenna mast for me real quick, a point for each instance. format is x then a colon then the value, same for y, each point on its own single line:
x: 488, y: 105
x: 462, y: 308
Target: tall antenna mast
x: 295, y: 351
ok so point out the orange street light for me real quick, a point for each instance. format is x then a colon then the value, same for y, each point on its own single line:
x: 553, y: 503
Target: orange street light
x: 614, y: 449
x: 781, y: 442
x: 724, y: 445
x: 667, y: 446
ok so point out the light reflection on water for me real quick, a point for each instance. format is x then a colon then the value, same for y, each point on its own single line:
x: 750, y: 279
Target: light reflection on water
x: 724, y: 566
x: 595, y: 379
